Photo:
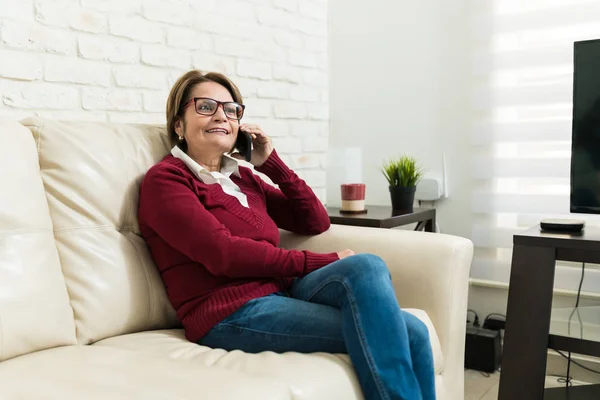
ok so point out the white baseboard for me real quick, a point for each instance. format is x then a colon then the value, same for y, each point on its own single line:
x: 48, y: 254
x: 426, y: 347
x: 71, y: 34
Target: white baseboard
x: 487, y: 297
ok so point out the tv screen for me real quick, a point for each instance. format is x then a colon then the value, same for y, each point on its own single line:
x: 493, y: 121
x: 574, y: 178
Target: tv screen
x: 585, y: 148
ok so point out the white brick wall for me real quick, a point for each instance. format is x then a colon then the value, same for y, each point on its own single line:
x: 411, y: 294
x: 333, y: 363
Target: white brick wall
x: 115, y: 60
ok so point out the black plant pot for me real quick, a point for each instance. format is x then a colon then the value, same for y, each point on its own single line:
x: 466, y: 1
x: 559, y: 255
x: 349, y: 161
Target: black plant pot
x: 402, y: 198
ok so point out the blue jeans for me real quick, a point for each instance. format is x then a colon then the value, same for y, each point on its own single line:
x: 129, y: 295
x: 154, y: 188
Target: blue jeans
x: 348, y: 306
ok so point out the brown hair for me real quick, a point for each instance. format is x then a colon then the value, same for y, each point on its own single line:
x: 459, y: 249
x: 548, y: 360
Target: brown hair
x: 181, y: 93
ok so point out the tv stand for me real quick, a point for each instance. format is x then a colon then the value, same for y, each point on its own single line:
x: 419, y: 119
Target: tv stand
x: 527, y: 336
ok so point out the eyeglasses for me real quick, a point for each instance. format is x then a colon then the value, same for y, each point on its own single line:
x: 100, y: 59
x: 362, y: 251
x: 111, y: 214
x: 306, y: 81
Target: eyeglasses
x: 207, y: 106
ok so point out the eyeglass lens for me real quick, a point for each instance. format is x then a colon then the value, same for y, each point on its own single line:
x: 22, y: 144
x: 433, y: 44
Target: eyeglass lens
x: 209, y: 107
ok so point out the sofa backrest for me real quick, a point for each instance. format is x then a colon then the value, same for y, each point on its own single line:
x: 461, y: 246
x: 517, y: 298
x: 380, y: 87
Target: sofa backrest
x: 34, y: 305
x: 91, y: 173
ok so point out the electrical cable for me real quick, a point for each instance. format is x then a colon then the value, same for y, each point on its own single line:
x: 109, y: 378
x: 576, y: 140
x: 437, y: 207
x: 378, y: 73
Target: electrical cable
x: 495, y: 314
x: 476, y: 320
x: 578, y: 364
x: 568, y: 377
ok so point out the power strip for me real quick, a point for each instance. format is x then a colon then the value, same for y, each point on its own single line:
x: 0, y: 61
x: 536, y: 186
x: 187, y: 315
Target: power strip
x: 482, y: 349
x: 494, y: 323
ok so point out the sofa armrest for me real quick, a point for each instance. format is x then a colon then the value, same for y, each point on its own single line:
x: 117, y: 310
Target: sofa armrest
x: 430, y: 271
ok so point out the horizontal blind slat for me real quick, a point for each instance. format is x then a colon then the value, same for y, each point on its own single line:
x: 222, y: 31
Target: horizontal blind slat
x: 486, y: 202
x: 526, y: 131
x: 484, y: 168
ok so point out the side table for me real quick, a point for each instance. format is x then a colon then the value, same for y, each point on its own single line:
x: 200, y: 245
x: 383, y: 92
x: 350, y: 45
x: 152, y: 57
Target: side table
x: 385, y: 217
x: 528, y: 332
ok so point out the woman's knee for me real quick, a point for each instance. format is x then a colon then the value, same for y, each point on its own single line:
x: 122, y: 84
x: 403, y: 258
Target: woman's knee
x: 370, y: 264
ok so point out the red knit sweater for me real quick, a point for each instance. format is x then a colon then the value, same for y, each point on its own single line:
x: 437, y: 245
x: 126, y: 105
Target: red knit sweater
x: 213, y: 253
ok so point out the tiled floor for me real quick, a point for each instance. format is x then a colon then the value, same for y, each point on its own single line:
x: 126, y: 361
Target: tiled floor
x: 479, y: 386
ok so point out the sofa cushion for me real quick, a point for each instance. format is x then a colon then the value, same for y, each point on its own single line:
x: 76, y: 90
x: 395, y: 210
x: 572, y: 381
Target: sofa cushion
x: 309, y: 376
x: 91, y: 172
x: 34, y: 305
x: 94, y: 372
x: 317, y: 376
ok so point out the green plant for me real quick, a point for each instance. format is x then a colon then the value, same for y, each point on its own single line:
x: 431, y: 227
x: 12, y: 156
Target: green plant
x: 403, y: 172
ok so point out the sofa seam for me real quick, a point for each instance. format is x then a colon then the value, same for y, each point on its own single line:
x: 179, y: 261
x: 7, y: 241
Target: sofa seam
x: 38, y: 136
x: 128, y: 209
x: 97, y: 227
x: 148, y: 280
x: 69, y: 294
x: 78, y: 228
x: 452, y: 285
x: 1, y: 340
x: 24, y: 231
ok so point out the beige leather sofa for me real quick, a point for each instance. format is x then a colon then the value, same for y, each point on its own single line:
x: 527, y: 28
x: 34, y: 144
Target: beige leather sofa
x: 83, y: 312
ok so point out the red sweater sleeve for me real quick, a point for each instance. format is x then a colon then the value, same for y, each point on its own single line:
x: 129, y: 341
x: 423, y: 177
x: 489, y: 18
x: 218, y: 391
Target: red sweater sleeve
x: 294, y: 206
x: 169, y: 206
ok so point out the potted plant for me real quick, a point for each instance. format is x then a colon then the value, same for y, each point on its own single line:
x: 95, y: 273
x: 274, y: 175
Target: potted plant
x: 403, y: 175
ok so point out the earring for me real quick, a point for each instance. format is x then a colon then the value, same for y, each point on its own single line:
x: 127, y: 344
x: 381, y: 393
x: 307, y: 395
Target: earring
x: 180, y: 138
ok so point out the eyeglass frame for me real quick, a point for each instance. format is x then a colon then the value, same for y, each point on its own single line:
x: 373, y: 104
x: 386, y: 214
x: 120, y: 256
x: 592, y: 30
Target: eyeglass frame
x: 219, y: 104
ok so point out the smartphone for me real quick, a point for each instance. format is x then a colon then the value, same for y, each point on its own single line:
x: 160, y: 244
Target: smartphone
x: 243, y: 144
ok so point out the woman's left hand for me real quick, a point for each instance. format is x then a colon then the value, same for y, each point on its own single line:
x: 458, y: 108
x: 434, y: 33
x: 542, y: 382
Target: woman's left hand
x: 261, y: 143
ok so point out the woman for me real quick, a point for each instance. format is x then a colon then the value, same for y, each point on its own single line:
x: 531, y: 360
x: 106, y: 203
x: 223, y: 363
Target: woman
x: 212, y: 227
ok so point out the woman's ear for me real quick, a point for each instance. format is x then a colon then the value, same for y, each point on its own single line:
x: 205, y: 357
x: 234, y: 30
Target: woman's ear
x: 178, y: 127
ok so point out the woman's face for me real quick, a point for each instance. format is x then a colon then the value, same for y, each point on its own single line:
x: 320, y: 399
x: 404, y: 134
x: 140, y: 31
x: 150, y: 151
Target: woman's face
x: 208, y: 134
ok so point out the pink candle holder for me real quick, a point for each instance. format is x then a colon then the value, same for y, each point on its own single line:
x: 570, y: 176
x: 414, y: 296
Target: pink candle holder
x: 353, y: 198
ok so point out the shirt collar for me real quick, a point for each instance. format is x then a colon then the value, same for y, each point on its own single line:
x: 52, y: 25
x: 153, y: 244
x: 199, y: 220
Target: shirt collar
x: 229, y: 165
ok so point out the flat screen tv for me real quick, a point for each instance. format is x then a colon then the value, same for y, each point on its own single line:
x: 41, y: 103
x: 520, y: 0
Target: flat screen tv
x: 585, y: 147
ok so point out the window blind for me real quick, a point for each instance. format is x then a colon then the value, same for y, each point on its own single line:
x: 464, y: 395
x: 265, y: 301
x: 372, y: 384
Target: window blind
x: 522, y: 74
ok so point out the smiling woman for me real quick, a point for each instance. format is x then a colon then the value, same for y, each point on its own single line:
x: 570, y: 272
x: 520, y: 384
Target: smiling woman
x: 203, y: 95
x: 203, y: 120
x: 212, y: 227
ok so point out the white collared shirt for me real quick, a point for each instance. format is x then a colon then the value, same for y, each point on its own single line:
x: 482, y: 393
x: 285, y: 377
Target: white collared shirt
x: 229, y: 165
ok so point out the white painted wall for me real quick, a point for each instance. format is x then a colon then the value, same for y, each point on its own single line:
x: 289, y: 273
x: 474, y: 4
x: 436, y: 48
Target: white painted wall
x: 414, y: 59
x: 115, y: 60
x: 411, y: 60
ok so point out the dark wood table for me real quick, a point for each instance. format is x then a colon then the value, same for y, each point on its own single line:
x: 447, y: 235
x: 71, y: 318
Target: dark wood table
x: 385, y: 217
x: 527, y: 336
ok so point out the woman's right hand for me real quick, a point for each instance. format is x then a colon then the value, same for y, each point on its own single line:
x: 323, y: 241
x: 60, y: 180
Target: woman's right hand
x: 345, y: 253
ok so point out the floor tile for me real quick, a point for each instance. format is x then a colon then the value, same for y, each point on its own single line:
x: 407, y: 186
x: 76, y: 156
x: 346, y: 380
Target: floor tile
x: 477, y: 384
x: 480, y: 386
